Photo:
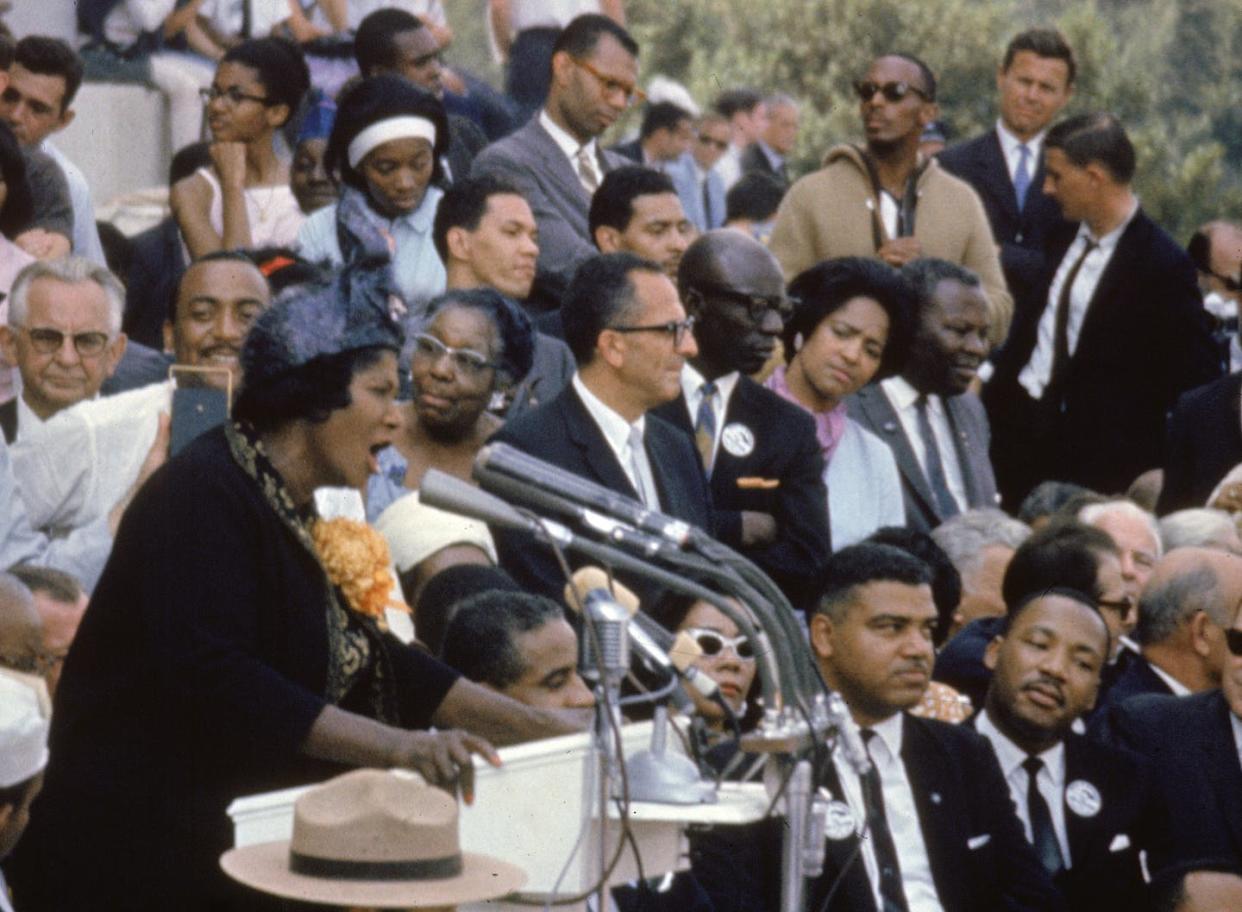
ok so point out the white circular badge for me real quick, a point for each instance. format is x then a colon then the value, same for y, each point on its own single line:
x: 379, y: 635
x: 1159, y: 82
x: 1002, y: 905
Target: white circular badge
x: 839, y: 821
x: 1083, y: 798
x: 738, y: 440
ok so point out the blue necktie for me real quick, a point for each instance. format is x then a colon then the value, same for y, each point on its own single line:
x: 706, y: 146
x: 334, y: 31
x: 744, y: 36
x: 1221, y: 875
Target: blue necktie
x: 705, y: 426
x: 1022, y: 176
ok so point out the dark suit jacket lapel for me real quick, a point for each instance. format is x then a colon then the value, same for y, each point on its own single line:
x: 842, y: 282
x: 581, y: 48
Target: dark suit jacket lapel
x: 996, y: 175
x: 1085, y: 834
x: 887, y: 426
x: 596, y: 452
x: 1221, y: 765
x: 855, y: 893
x: 1102, y: 318
x: 937, y: 803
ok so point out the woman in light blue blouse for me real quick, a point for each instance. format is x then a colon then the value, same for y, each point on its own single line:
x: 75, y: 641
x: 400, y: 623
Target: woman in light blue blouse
x: 385, y: 148
x: 851, y: 324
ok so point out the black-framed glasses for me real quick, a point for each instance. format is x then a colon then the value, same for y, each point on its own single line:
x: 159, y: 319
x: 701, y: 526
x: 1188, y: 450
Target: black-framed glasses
x: 1231, y: 284
x: 466, y: 360
x: 757, y: 306
x: 675, y: 328
x: 610, y: 85
x: 1122, y: 606
x: 48, y: 341
x: 233, y: 95
x: 1233, y: 639
x: 713, y: 643
x: 865, y: 89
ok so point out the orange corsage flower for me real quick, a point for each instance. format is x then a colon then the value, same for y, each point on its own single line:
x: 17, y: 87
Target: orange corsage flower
x: 356, y: 558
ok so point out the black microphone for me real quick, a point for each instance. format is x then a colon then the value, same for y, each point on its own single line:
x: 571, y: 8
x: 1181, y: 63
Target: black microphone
x: 507, y: 460
x: 447, y: 492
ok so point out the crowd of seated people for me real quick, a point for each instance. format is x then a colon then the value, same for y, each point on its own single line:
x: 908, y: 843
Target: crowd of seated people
x: 967, y: 412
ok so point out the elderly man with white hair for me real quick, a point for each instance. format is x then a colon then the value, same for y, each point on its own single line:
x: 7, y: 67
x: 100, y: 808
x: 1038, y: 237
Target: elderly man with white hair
x: 980, y: 544
x: 1200, y: 527
x: 1137, y: 537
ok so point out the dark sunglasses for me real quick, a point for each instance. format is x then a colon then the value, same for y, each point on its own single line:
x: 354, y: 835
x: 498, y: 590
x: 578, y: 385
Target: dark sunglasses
x: 892, y: 91
x: 1122, y: 606
x: 48, y: 341
x: 1233, y: 639
x: 713, y: 643
x: 756, y: 306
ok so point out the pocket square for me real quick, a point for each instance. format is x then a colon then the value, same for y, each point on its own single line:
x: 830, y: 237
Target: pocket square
x: 752, y: 483
x: 1120, y: 843
x: 978, y: 842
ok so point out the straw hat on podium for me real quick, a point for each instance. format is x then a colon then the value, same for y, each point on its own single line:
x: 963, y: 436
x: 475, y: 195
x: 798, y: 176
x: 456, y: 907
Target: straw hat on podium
x: 375, y: 839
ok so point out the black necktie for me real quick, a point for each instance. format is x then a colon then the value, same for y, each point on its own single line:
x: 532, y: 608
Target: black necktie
x: 946, y: 506
x: 1060, y: 336
x: 892, y: 893
x: 707, y: 206
x: 1043, y: 835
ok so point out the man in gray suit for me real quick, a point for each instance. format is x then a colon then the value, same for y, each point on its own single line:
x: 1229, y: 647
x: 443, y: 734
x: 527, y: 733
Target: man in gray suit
x: 936, y: 428
x: 699, y: 186
x: 555, y: 160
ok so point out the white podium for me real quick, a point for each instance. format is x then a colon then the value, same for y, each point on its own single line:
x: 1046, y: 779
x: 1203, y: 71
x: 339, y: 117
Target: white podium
x: 530, y: 812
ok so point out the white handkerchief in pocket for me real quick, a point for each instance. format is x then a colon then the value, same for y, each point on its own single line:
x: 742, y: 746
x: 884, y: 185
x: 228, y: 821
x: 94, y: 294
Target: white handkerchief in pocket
x: 1120, y: 843
x: 978, y: 842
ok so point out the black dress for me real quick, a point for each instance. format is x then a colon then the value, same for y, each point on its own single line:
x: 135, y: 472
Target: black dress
x: 212, y: 643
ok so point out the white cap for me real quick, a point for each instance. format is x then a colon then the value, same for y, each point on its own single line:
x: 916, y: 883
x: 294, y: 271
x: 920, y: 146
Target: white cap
x: 416, y: 531
x: 23, y: 732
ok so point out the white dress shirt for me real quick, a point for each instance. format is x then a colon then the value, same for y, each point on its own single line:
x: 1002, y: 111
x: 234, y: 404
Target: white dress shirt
x: 1050, y: 780
x: 729, y: 166
x: 1038, y: 371
x: 76, y: 467
x: 27, y: 419
x: 901, y: 814
x: 616, y: 431
x: 1236, y: 724
x: 1009, y: 148
x: 902, y: 397
x: 571, y: 147
x: 691, y: 383
x: 1179, y: 689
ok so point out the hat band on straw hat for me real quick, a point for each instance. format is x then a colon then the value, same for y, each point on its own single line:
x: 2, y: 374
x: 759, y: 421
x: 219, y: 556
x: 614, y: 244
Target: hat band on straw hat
x: 345, y: 869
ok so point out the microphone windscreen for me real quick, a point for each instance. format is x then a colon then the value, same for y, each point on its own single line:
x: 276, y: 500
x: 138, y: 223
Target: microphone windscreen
x: 587, y: 578
x: 684, y: 651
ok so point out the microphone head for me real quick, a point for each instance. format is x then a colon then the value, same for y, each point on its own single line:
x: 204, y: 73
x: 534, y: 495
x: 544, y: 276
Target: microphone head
x: 684, y: 651
x: 586, y: 579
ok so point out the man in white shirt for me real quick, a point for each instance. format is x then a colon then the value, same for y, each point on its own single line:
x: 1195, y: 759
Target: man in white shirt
x: 1182, y: 616
x: 747, y: 118
x: 1083, y: 806
x: 43, y: 81
x: 1005, y: 166
x: 555, y: 160
x: 701, y: 189
x: 931, y: 818
x: 1083, y: 385
x: 630, y: 338
x: 75, y: 468
x: 933, y: 423
x: 64, y: 336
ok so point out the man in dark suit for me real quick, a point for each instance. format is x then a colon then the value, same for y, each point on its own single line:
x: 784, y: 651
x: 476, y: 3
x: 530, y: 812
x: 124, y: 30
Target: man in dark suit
x: 555, y: 159
x: 768, y: 154
x: 936, y: 428
x: 759, y: 452
x: 394, y: 41
x: 1083, y: 384
x: 1182, y: 615
x: 1202, y: 443
x: 1084, y: 806
x: 663, y: 137
x: 1006, y: 164
x: 940, y: 827
x: 630, y: 338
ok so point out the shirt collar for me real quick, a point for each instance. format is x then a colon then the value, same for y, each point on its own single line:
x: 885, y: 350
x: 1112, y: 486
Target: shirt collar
x: 1011, y: 757
x: 563, y: 140
x: 423, y: 218
x: 903, y: 395
x: 1009, y: 144
x: 26, y: 418
x: 612, y: 424
x: 691, y: 380
x: 1108, y: 242
x: 890, y: 732
x: 1179, y: 689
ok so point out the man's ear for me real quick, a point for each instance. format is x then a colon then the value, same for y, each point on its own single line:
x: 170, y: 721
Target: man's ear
x: 8, y: 345
x: 1199, y: 622
x: 562, y: 64
x: 929, y: 113
x: 992, y: 653
x: 611, y: 347
x: 607, y: 239
x: 457, y: 240
x: 821, y: 630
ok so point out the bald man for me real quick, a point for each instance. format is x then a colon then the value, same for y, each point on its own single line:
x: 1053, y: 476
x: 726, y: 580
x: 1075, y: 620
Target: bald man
x: 758, y: 451
x: 1191, y: 598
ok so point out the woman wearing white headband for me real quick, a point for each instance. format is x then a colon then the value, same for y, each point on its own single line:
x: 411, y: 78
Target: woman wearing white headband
x: 386, y: 147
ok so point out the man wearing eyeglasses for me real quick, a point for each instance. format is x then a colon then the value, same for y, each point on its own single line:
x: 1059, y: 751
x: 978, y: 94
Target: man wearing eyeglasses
x: 758, y: 451
x: 1182, y: 615
x: 699, y: 185
x: 630, y: 338
x: 882, y: 199
x: 1194, y: 744
x: 555, y: 159
x: 64, y: 336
